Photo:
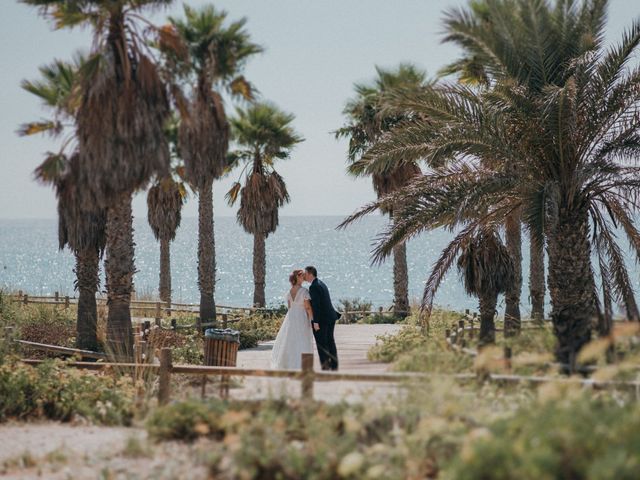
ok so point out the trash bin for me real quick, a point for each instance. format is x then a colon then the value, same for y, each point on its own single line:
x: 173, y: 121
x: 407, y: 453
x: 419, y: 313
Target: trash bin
x: 221, y: 347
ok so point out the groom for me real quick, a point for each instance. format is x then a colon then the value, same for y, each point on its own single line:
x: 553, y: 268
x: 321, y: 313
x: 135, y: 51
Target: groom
x: 324, y: 320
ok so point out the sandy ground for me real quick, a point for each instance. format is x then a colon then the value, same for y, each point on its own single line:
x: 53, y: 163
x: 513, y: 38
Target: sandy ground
x: 55, y: 451
x: 62, y: 451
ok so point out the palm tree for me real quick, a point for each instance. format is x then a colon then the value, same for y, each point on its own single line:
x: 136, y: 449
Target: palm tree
x: 366, y: 124
x: 164, y: 205
x: 575, y: 147
x: 264, y: 135
x: 533, y: 42
x: 487, y: 269
x: 217, y: 53
x: 120, y: 120
x: 81, y: 226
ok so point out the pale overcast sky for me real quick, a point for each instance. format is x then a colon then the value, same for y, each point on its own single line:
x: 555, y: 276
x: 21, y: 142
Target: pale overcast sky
x: 315, y: 51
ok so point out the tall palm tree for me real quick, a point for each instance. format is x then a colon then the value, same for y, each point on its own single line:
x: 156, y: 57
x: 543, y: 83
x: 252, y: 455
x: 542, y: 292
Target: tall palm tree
x: 577, y: 178
x: 367, y: 122
x: 120, y: 120
x: 487, y: 269
x: 533, y: 42
x: 81, y: 226
x: 264, y: 135
x: 217, y: 54
x: 164, y: 206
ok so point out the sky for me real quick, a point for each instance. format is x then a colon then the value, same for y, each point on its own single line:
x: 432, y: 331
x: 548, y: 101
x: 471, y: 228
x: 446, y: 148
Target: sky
x: 315, y: 50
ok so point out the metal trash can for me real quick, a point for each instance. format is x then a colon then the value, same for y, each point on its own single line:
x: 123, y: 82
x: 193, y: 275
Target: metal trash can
x: 221, y: 347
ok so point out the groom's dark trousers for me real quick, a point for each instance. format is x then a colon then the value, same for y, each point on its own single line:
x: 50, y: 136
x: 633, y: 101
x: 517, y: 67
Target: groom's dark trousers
x: 324, y: 315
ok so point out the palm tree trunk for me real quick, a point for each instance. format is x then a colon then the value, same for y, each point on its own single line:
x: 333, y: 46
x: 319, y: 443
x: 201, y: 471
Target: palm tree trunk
x: 206, y: 254
x: 87, y: 267
x: 571, y: 283
x: 604, y: 314
x: 400, y: 281
x: 487, y: 301
x: 631, y: 306
x: 165, y: 271
x: 259, y: 269
x: 536, y: 279
x: 512, y: 295
x: 119, y: 269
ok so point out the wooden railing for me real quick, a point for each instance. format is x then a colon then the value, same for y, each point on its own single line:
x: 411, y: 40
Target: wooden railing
x: 158, y: 310
x: 465, y: 329
x: 308, y: 376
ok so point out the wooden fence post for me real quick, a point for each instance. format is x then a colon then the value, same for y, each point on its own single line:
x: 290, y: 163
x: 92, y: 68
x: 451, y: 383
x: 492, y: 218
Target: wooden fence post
x: 225, y: 320
x: 57, y: 296
x: 141, y: 353
x: 307, y: 376
x: 507, y: 357
x: 158, y: 312
x: 146, y: 327
x: 137, y: 351
x: 66, y: 301
x: 164, y: 389
x: 19, y: 293
x: 8, y: 333
x: 25, y: 299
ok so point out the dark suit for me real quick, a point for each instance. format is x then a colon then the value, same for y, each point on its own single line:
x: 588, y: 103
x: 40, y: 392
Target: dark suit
x: 326, y: 316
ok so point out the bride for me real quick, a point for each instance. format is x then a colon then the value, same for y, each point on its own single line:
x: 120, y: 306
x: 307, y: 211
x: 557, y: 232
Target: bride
x: 295, y: 336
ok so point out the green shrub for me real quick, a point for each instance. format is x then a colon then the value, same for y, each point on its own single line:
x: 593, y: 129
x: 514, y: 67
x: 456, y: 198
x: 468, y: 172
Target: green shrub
x: 55, y: 392
x: 564, y: 438
x: 186, y: 420
x: 290, y: 440
x: 377, y: 319
x: 257, y: 328
x: 354, y: 305
x: 444, y: 431
x: 39, y: 323
x: 390, y: 347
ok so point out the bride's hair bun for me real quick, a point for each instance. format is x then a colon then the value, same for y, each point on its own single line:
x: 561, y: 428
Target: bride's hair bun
x: 293, y: 278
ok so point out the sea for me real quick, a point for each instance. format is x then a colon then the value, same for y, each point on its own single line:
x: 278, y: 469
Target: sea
x: 30, y: 261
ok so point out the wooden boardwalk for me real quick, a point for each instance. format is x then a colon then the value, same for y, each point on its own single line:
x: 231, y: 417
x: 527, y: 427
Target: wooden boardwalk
x: 353, y: 342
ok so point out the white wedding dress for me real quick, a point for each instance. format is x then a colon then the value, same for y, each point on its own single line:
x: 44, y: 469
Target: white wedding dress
x: 295, y: 336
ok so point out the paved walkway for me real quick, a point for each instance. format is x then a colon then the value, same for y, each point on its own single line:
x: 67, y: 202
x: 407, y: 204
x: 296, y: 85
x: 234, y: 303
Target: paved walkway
x: 353, y: 342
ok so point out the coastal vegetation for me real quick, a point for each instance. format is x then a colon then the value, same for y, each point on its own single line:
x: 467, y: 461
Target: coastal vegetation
x: 534, y: 128
x: 547, y: 135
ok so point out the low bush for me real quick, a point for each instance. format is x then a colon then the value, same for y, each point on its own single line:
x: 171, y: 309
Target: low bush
x: 354, y: 305
x: 473, y: 433
x: 567, y: 437
x: 186, y: 420
x: 380, y: 318
x: 38, y: 323
x: 390, y: 347
x: 44, y: 324
x: 257, y: 328
x: 58, y: 393
x: 291, y: 440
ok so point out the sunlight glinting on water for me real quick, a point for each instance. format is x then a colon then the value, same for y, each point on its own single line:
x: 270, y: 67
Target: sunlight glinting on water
x: 30, y: 261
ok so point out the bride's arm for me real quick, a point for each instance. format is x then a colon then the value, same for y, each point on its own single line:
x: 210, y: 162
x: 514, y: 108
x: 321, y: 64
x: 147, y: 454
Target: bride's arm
x: 307, y: 307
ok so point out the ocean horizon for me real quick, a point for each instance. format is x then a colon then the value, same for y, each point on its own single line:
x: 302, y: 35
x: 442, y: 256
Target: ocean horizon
x: 30, y: 261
